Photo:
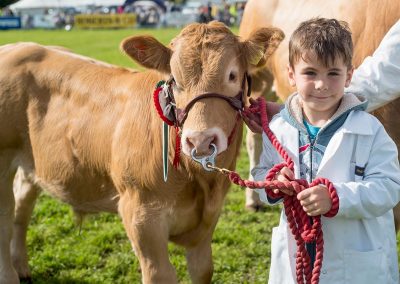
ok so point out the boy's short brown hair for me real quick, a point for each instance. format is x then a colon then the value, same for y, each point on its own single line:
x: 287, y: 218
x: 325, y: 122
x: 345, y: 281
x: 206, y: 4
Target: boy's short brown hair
x: 327, y: 38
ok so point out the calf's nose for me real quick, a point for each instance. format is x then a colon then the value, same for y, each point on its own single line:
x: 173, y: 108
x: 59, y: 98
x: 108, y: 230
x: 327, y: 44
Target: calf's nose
x: 201, y: 143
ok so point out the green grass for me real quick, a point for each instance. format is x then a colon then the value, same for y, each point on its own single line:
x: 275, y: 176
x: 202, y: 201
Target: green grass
x: 99, y: 252
x: 99, y: 44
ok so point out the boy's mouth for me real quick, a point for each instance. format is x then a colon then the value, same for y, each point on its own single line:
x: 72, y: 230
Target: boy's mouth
x: 321, y: 97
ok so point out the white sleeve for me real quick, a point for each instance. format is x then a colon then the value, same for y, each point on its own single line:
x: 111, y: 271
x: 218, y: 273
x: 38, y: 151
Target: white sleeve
x: 269, y: 157
x: 378, y: 77
x: 379, y: 191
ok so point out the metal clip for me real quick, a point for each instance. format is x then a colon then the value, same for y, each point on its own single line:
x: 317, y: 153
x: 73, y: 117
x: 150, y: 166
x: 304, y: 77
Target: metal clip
x: 206, y: 161
x: 221, y: 170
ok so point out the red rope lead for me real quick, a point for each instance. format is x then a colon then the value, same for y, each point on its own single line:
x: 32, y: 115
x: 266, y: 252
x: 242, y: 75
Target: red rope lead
x: 298, y: 220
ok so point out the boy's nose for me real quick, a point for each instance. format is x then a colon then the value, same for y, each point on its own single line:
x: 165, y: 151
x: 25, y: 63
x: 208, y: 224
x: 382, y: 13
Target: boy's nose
x: 320, y: 85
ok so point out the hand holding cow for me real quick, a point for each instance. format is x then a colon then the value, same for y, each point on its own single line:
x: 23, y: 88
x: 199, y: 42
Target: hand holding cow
x: 253, y: 119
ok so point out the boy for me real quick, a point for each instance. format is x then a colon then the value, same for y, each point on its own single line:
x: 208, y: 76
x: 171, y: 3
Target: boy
x: 327, y: 134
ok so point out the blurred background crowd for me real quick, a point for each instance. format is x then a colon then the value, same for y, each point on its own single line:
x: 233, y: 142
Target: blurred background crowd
x: 58, y: 14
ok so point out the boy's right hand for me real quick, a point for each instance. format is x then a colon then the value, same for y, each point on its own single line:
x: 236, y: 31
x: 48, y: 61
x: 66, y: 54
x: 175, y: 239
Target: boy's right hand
x: 315, y: 200
x: 285, y: 174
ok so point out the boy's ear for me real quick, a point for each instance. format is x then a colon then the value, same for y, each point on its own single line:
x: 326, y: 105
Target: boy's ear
x: 148, y: 52
x: 261, y: 44
x: 290, y: 72
x: 349, y: 75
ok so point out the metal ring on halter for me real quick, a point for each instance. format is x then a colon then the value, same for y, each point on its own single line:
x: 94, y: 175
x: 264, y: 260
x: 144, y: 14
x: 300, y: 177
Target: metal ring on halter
x: 206, y: 161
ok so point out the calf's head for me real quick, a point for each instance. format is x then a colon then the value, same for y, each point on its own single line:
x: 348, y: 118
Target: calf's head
x: 206, y: 59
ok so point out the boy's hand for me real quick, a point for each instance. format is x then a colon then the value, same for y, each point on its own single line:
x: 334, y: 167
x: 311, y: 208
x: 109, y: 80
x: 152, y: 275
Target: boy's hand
x: 253, y: 120
x: 315, y: 200
x: 285, y: 174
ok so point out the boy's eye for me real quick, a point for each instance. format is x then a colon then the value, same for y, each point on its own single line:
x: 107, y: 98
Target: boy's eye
x: 309, y: 73
x: 333, y: 74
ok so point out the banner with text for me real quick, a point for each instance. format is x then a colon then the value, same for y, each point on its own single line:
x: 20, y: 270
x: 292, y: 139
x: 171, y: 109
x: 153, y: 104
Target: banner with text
x: 96, y: 21
x: 7, y: 23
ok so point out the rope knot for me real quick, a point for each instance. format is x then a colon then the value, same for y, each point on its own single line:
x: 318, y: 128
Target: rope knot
x: 308, y: 237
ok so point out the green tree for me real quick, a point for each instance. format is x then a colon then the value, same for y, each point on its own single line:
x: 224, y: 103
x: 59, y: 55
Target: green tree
x: 5, y: 3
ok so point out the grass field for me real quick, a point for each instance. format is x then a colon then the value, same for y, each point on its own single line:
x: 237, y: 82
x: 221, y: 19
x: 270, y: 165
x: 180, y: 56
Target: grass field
x: 99, y: 252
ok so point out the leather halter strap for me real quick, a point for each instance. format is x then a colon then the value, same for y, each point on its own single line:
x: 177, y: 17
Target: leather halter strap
x: 235, y: 102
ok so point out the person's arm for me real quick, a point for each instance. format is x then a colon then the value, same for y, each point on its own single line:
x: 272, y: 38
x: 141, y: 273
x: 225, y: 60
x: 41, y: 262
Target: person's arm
x: 379, y: 191
x: 378, y: 77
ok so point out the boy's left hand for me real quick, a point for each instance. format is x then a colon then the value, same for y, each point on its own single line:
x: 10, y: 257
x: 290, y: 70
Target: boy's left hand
x: 315, y: 200
x: 285, y: 174
x: 253, y: 120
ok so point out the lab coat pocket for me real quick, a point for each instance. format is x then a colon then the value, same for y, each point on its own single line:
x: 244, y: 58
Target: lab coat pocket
x: 280, y: 271
x: 356, y: 172
x: 364, y: 267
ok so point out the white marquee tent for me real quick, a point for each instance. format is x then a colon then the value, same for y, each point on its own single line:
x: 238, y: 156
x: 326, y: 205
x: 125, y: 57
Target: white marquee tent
x: 32, y: 4
x: 51, y: 13
x: 46, y: 13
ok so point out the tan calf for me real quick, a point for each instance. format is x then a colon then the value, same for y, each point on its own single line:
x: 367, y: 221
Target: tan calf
x: 89, y: 134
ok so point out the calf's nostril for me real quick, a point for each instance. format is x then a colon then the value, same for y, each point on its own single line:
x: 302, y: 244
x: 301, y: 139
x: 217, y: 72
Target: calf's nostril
x: 201, y: 144
x: 189, y: 143
x: 215, y: 140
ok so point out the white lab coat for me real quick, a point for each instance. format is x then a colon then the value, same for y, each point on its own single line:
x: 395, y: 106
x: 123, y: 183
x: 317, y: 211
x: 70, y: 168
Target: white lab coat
x: 359, y: 242
x: 378, y: 77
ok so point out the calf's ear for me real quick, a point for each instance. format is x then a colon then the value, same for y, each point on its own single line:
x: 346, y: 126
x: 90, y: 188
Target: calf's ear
x: 148, y: 52
x: 261, y: 43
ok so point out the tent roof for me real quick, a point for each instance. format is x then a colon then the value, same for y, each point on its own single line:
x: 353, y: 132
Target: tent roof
x: 25, y: 4
x: 160, y: 3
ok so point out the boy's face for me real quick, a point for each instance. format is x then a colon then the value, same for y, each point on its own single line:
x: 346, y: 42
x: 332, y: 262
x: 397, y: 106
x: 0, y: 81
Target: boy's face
x: 320, y: 88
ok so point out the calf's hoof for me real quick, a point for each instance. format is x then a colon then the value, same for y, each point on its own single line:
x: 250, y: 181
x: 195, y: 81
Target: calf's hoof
x: 255, y: 208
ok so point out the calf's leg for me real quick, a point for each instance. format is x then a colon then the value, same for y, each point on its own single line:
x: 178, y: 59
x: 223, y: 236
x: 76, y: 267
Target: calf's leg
x: 25, y: 197
x: 254, y: 149
x: 148, y: 233
x: 199, y: 259
x: 8, y: 275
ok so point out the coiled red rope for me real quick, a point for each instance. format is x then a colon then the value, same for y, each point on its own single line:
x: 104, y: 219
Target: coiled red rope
x: 298, y: 220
